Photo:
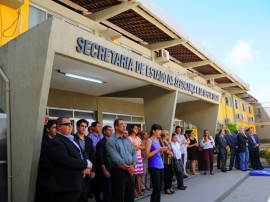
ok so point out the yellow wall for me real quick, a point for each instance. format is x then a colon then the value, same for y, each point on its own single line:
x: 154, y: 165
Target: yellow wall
x: 226, y: 111
x: 13, y: 22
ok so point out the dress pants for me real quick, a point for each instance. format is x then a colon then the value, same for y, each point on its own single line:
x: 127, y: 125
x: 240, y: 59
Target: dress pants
x: 156, y: 177
x: 255, y: 158
x: 237, y: 159
x: 244, y: 158
x: 218, y: 160
x: 145, y: 181
x: 184, y: 161
x: 123, y: 185
x: 95, y: 188
x: 43, y: 195
x: 107, y: 192
x: 223, y: 158
x: 232, y: 158
x: 208, y: 157
x: 168, y: 176
x: 179, y: 172
x: 68, y: 197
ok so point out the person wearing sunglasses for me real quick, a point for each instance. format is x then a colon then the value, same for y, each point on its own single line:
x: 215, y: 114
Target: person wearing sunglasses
x: 69, y: 165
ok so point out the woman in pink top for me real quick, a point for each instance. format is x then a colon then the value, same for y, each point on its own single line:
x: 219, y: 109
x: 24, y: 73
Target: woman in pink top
x: 138, y: 146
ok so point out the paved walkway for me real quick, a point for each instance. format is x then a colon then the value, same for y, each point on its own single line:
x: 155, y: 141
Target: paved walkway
x: 206, y: 188
x: 254, y: 189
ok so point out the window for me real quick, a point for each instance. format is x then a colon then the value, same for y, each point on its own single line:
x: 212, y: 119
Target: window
x: 73, y: 114
x: 243, y: 107
x: 249, y: 110
x: 236, y: 104
x: 228, y: 101
x: 38, y: 15
x: 108, y: 119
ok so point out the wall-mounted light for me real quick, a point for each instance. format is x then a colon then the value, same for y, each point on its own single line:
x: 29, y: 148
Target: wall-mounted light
x: 80, y: 77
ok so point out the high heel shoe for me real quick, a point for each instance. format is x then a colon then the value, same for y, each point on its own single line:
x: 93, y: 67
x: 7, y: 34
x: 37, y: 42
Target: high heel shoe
x: 167, y: 191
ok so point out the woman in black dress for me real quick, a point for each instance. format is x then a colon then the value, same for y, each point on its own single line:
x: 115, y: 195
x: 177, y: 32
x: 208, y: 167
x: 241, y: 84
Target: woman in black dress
x: 192, y: 151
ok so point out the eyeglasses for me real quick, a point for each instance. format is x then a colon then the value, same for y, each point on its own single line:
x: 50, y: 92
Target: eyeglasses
x: 65, y: 124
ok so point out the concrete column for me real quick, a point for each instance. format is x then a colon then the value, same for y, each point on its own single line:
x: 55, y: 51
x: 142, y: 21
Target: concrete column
x: 200, y: 113
x: 159, y: 104
x: 159, y: 107
x: 27, y: 61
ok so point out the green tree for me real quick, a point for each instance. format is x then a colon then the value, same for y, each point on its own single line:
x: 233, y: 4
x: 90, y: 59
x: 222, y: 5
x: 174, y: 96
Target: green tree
x: 232, y: 127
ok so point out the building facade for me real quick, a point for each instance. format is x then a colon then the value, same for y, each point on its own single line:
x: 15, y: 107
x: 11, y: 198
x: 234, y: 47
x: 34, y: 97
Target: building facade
x: 237, y: 109
x: 101, y: 61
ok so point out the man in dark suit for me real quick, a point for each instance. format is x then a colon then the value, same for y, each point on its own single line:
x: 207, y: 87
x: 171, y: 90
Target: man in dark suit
x: 231, y: 140
x: 222, y: 149
x: 69, y: 165
x: 104, y: 165
x: 86, y: 145
x: 44, y: 169
x: 242, y: 141
x: 254, y: 150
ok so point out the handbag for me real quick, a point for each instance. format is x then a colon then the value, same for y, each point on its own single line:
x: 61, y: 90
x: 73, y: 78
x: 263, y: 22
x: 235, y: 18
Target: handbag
x: 215, y: 150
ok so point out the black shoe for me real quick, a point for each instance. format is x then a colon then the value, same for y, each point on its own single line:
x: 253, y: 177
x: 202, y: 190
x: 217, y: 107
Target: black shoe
x: 224, y: 171
x: 185, y: 176
x: 181, y: 188
x: 244, y: 170
x: 230, y: 169
x: 261, y: 168
x: 205, y: 173
x: 185, y: 186
x: 172, y: 191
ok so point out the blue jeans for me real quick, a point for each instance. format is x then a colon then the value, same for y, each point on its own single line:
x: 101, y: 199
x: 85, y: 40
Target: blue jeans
x: 244, y: 158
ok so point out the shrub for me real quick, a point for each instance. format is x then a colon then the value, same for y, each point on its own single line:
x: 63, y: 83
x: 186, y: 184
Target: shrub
x: 265, y: 154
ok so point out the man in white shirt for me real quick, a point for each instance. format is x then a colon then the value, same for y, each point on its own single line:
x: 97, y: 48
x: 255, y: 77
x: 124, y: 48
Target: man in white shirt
x: 178, y: 165
x: 183, y: 147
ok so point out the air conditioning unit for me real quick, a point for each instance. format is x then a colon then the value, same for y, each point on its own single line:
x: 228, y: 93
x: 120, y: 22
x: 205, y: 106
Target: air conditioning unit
x: 211, y: 82
x: 228, y: 120
x: 163, y: 56
x: 14, y: 4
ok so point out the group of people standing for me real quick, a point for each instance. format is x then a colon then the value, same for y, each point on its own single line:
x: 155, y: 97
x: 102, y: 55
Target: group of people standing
x: 123, y: 165
x: 243, y: 146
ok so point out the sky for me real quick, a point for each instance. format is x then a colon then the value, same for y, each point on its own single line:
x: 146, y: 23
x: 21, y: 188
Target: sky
x: 236, y: 32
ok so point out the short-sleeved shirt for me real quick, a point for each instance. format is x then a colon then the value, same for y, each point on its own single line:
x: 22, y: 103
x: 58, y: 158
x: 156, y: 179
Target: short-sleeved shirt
x: 137, y: 142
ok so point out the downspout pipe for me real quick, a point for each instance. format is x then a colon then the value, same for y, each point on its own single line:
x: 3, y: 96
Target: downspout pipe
x: 9, y: 151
